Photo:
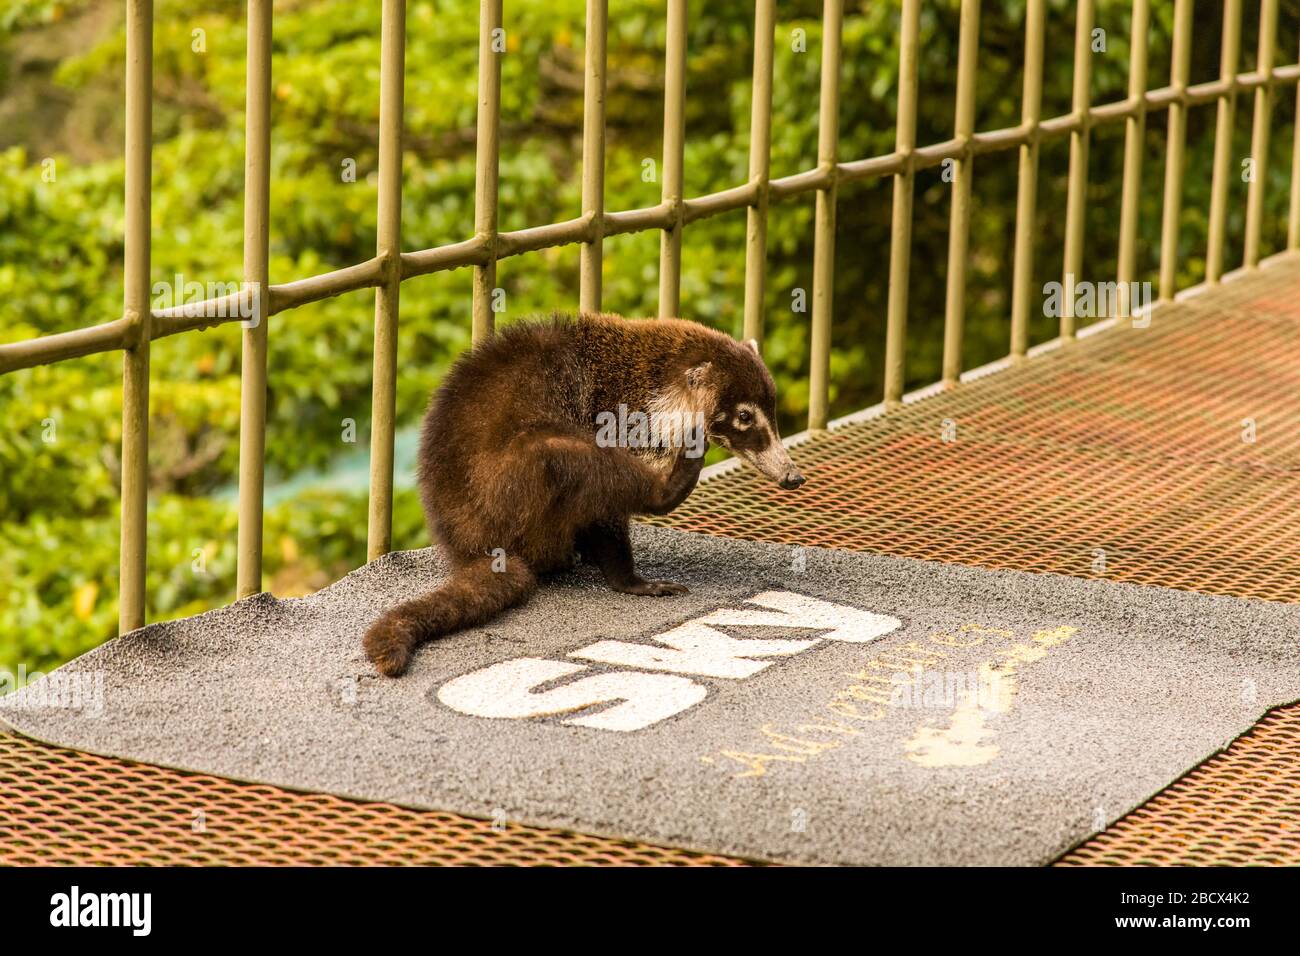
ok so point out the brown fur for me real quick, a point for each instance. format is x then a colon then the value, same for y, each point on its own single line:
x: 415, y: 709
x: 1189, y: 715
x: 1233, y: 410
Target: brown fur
x: 513, y: 481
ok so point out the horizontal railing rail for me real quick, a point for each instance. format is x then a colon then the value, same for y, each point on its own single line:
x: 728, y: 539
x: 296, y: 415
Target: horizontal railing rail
x: 113, y: 335
x: 390, y: 267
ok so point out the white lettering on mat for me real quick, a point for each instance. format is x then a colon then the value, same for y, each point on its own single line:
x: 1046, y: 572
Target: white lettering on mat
x: 696, y: 648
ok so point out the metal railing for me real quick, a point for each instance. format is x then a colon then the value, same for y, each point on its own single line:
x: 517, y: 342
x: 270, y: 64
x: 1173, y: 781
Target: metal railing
x: 140, y: 325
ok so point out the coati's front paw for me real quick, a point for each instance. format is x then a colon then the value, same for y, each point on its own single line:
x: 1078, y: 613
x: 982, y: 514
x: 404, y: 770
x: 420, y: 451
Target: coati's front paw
x: 676, y: 486
x: 652, y: 588
x: 389, y: 644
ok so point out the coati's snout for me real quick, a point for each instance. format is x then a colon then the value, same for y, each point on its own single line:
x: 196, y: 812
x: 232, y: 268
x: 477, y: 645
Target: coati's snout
x: 744, y: 417
x: 771, y: 458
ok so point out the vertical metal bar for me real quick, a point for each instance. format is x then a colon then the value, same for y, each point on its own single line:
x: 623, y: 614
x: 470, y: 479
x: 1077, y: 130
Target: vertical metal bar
x: 135, y: 360
x: 828, y: 140
x: 760, y: 155
x: 1260, y: 132
x: 900, y: 247
x: 257, y: 200
x: 1031, y: 111
x: 1178, y: 72
x: 1077, y: 187
x: 670, y: 243
x: 491, y: 47
x: 1293, y: 219
x: 388, y: 246
x: 1229, y: 55
x: 591, y: 256
x: 959, y: 221
x: 1134, y: 143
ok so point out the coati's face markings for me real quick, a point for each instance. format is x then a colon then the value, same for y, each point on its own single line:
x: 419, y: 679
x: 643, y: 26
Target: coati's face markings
x: 743, y: 419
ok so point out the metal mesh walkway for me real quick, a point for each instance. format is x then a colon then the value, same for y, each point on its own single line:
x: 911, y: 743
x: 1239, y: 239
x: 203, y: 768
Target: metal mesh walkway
x: 1171, y: 453
x: 1168, y: 456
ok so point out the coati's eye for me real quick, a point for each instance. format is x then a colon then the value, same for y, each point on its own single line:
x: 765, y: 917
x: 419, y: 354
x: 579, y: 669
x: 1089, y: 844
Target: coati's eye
x: 744, y: 416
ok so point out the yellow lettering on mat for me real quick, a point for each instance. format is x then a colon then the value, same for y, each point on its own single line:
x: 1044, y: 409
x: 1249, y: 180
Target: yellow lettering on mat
x: 966, y: 741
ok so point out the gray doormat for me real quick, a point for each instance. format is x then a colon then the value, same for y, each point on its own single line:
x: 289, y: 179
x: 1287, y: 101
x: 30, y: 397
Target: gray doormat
x: 798, y: 705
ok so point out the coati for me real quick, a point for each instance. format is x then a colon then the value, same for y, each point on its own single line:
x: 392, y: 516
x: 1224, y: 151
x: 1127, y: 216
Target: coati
x: 520, y: 469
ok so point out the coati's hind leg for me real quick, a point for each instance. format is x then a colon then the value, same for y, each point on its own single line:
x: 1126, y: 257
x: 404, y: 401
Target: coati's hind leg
x: 587, y: 493
x: 608, y: 545
x: 585, y: 483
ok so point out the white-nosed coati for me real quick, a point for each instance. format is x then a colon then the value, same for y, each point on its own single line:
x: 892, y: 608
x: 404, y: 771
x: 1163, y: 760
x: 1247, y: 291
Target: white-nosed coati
x: 519, y: 468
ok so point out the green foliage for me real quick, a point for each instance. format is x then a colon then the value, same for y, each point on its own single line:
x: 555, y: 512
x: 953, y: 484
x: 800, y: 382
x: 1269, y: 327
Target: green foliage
x: 58, y: 573
x: 21, y: 14
x: 61, y: 247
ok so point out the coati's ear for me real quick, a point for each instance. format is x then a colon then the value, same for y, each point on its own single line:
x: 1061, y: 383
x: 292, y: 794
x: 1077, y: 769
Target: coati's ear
x: 753, y: 345
x: 696, y: 374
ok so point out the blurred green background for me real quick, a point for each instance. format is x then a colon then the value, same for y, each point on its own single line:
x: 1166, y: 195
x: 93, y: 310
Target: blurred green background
x: 61, y: 66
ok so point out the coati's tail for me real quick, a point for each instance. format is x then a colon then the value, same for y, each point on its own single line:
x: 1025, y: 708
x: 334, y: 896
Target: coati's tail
x: 473, y: 593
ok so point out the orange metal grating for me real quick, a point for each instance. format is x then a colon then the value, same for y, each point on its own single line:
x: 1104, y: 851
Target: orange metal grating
x: 62, y: 807
x: 1241, y: 808
x: 1129, y: 447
